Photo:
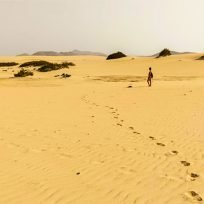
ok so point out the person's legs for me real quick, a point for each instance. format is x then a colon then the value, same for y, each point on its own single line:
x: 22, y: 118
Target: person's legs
x: 149, y: 81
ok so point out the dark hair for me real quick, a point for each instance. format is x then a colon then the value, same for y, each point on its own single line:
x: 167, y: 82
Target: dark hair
x: 150, y: 68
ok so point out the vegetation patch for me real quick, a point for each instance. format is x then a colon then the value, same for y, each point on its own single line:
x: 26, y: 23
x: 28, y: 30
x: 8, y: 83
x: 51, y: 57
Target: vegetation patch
x: 8, y: 64
x: 34, y: 63
x: 23, y: 73
x: 64, y: 75
x: 116, y: 55
x: 46, y: 66
x: 54, y: 66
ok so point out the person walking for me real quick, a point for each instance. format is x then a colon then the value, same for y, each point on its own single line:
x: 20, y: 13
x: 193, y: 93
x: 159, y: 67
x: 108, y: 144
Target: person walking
x: 150, y: 77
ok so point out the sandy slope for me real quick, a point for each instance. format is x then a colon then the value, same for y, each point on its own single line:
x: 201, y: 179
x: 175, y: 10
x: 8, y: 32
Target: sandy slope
x: 90, y: 139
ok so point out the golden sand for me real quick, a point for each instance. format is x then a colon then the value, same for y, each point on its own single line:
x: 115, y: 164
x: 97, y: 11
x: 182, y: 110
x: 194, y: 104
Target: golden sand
x: 89, y: 139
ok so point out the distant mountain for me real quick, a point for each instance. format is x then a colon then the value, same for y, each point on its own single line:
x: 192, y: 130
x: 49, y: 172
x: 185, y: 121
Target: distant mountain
x: 23, y: 54
x: 78, y: 52
x: 70, y: 53
x: 46, y: 53
x: 173, y: 53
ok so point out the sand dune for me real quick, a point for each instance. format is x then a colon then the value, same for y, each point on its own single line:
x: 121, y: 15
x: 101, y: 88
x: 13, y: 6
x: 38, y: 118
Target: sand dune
x: 90, y: 139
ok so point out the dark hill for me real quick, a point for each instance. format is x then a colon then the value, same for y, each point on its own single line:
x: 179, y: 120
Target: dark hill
x: 116, y: 55
x: 164, y: 53
x: 173, y: 53
x: 201, y: 58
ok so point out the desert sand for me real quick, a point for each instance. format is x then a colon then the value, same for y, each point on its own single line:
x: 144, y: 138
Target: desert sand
x: 89, y: 139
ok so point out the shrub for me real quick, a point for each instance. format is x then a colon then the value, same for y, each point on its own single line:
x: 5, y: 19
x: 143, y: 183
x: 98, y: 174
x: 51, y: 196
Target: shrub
x: 8, y: 64
x: 23, y: 73
x: 70, y: 63
x: 48, y: 67
x: 64, y: 75
x: 62, y: 65
x: 116, y: 56
x: 65, y: 65
x: 35, y: 63
x: 165, y: 52
x: 55, y: 66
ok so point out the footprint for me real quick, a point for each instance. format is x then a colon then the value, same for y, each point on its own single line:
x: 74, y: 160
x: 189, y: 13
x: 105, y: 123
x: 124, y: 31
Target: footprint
x: 193, y: 176
x: 195, y: 196
x: 152, y: 138
x: 136, y: 133
x: 172, y: 153
x: 131, y: 128
x: 161, y: 144
x: 119, y: 124
x: 185, y: 163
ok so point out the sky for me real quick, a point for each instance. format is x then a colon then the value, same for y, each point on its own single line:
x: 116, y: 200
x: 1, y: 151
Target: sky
x: 135, y: 27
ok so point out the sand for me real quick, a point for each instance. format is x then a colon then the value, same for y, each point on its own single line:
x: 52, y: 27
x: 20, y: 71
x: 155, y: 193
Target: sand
x: 90, y: 139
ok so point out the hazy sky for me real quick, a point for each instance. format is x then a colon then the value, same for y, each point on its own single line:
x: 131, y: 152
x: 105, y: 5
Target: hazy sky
x: 140, y: 27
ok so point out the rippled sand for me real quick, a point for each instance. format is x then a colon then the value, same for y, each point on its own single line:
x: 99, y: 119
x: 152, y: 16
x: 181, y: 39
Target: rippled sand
x: 103, y: 136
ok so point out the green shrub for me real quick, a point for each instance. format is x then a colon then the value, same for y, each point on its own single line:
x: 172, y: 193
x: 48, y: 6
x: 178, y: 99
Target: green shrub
x: 48, y: 67
x: 35, y: 63
x: 8, y: 64
x: 69, y: 63
x: 65, y: 75
x: 55, y: 66
x: 23, y: 73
